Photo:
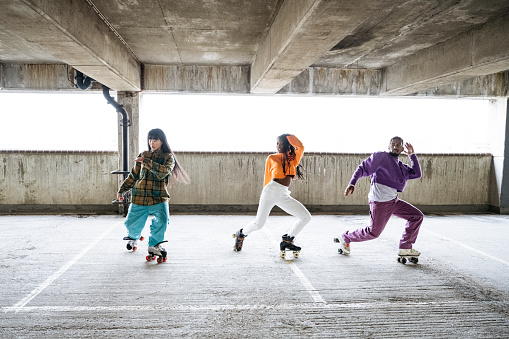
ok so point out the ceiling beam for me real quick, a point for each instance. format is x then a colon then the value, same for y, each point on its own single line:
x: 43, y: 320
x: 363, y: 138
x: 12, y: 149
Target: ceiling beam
x: 73, y: 33
x: 196, y: 79
x: 335, y: 81
x: 483, y: 50
x: 302, y: 32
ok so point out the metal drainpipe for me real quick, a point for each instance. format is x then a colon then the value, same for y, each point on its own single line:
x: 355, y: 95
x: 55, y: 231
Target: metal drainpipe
x: 125, y: 132
x: 82, y: 82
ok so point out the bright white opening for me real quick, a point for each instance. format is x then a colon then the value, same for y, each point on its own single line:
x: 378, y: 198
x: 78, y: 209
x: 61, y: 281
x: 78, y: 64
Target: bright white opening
x: 246, y: 123
x: 57, y: 121
x: 323, y: 124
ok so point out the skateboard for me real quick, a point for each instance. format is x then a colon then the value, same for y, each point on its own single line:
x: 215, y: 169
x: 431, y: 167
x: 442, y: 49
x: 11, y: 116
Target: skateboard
x: 287, y: 254
x: 160, y: 254
x: 130, y: 246
x: 403, y: 259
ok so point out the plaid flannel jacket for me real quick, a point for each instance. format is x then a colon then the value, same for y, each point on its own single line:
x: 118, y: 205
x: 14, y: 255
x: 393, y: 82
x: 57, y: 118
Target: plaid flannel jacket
x: 149, y: 180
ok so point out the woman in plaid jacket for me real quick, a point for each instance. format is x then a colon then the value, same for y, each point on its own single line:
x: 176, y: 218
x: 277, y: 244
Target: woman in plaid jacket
x: 148, y: 181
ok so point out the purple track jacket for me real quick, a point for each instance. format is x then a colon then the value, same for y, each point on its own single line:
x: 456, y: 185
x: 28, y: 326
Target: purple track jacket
x: 387, y: 170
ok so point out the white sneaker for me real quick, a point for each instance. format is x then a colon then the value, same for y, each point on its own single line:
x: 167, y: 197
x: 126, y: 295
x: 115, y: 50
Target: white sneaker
x: 410, y: 252
x: 343, y: 246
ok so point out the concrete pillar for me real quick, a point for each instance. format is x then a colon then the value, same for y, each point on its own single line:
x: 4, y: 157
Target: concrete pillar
x: 499, y: 132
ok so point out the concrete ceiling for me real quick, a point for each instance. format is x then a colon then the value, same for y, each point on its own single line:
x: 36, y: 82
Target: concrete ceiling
x: 407, y: 46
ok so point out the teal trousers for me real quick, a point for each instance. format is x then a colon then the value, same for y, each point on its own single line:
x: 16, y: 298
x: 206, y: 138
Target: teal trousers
x: 137, y: 218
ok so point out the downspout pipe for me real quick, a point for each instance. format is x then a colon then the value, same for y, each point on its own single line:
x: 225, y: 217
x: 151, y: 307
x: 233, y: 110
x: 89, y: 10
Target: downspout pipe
x: 125, y: 130
x: 82, y: 82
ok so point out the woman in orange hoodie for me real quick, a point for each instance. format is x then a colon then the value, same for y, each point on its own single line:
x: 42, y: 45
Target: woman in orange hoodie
x: 280, y: 169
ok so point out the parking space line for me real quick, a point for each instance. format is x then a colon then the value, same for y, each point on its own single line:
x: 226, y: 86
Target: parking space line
x: 18, y: 306
x: 454, y: 304
x: 315, y: 295
x: 468, y: 247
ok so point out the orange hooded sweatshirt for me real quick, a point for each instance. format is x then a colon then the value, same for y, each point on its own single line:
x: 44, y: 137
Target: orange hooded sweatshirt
x: 274, y: 165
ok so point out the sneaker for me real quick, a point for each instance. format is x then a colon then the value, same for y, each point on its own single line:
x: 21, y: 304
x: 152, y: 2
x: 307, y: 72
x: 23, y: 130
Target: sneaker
x: 344, y: 248
x: 409, y: 252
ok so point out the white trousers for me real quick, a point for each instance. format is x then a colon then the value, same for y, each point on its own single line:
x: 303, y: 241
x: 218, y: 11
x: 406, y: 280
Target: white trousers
x: 275, y: 194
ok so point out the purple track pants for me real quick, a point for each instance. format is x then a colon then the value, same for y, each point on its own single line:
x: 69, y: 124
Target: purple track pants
x: 380, y: 214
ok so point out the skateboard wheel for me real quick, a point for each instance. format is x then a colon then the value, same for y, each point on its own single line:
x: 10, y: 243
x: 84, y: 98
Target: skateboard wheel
x: 148, y: 258
x: 134, y: 249
x: 142, y: 238
x: 234, y: 235
x: 403, y: 260
x: 336, y: 240
x: 414, y: 260
x: 296, y: 254
x: 340, y: 251
x: 159, y: 260
x: 234, y: 248
x: 282, y: 254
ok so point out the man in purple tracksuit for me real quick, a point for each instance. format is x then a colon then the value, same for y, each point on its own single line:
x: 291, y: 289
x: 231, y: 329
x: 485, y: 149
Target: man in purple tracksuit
x: 388, y: 177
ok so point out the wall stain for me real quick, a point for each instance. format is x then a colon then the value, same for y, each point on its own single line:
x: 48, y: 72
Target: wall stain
x: 21, y: 170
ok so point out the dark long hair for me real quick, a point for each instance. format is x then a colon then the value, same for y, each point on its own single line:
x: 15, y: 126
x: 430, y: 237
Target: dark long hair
x: 178, y: 172
x: 288, y: 154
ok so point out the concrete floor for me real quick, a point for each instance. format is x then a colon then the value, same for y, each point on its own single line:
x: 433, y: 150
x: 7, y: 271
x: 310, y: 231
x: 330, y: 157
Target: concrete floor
x: 71, y: 276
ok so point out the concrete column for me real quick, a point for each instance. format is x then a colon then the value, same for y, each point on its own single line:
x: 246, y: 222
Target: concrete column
x: 131, y: 103
x: 499, y: 132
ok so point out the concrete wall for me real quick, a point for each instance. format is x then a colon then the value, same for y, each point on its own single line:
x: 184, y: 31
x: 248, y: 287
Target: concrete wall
x: 58, y: 182
x: 232, y: 182
x: 449, y: 182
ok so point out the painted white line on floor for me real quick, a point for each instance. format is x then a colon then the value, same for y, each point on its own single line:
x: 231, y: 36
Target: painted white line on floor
x: 317, y: 298
x: 453, y: 304
x: 18, y: 306
x: 305, y: 282
x: 468, y: 247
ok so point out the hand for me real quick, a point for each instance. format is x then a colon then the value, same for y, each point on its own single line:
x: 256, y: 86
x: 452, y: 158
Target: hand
x: 120, y: 197
x: 349, y: 190
x: 409, y: 148
x: 139, y: 159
